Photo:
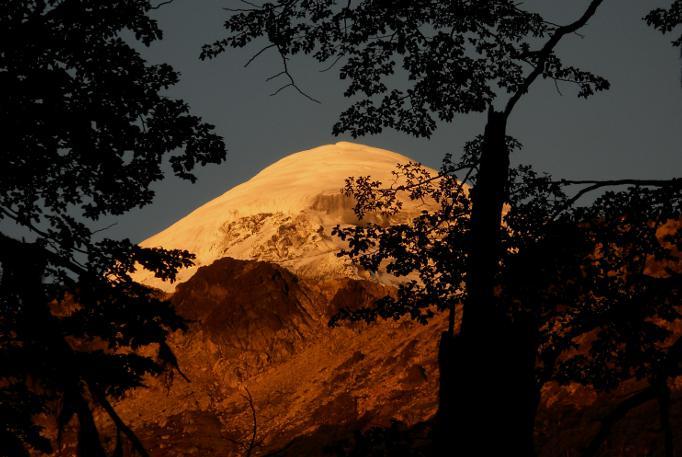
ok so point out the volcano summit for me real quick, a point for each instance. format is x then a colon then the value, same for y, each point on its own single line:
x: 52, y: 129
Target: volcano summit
x: 284, y: 214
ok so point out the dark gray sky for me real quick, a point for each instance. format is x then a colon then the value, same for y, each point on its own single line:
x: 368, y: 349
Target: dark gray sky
x: 634, y: 130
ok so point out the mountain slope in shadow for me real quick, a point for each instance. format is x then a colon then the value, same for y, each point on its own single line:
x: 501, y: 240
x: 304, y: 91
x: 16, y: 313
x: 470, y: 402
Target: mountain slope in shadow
x: 256, y: 326
x: 259, y: 343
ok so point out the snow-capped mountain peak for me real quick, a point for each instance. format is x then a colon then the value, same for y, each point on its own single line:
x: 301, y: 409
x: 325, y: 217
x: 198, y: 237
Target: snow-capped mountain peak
x: 284, y: 214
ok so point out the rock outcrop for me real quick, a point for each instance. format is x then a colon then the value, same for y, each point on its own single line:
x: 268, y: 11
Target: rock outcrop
x: 258, y: 330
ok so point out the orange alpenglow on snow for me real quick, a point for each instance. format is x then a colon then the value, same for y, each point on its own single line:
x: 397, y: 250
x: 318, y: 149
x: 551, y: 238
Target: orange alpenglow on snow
x: 284, y: 214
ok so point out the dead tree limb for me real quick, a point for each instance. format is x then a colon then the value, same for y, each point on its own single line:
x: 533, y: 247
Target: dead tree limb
x: 254, y: 430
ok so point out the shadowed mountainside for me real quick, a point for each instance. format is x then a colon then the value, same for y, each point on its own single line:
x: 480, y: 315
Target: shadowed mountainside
x: 260, y: 332
x: 259, y: 327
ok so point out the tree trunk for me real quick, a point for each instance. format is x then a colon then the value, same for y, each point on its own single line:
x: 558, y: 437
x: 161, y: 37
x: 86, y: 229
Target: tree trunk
x: 23, y: 269
x: 488, y: 394
x: 664, y: 400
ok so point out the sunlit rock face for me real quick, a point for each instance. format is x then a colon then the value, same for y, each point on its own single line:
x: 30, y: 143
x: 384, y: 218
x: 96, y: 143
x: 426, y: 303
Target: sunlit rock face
x: 284, y: 214
x: 257, y: 326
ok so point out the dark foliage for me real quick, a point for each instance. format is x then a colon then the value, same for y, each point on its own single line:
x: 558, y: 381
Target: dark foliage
x: 409, y: 66
x: 667, y: 19
x: 87, y: 129
x: 581, y: 262
x: 428, y: 249
x: 584, y: 278
x: 396, y: 440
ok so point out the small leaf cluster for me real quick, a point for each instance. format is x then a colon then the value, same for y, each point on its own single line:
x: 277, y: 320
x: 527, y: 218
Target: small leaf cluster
x: 667, y: 20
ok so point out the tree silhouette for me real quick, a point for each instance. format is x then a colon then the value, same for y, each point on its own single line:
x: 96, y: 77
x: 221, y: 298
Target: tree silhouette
x: 578, y: 281
x: 86, y: 131
x: 668, y: 20
x: 408, y: 66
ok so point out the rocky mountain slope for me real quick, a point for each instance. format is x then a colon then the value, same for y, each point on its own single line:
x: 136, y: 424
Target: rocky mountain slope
x: 259, y: 330
x: 259, y: 345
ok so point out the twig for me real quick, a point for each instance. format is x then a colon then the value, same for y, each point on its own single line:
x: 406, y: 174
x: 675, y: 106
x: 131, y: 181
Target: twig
x: 238, y: 10
x: 596, y: 184
x: 104, y: 228
x: 69, y: 262
x: 619, y: 182
x: 420, y: 183
x: 556, y: 86
x: 255, y: 56
x: 333, y: 64
x: 292, y: 82
x: 553, y: 24
x: 345, y: 25
x: 156, y: 7
x: 467, y: 176
x: 252, y: 444
x: 614, y: 416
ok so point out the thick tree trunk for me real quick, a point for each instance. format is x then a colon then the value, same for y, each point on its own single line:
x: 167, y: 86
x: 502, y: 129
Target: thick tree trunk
x: 488, y: 197
x: 488, y: 394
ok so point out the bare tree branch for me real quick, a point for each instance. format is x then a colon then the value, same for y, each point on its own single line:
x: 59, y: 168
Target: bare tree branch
x: 614, y: 416
x: 437, y: 176
x: 546, y: 52
x: 103, y: 229
x: 156, y: 7
x: 68, y: 263
x: 553, y: 24
x: 556, y: 86
x: 254, y: 433
x: 333, y: 64
x: 255, y: 56
x: 594, y: 185
x: 620, y: 182
x: 101, y: 398
x: 599, y: 184
x: 292, y: 82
